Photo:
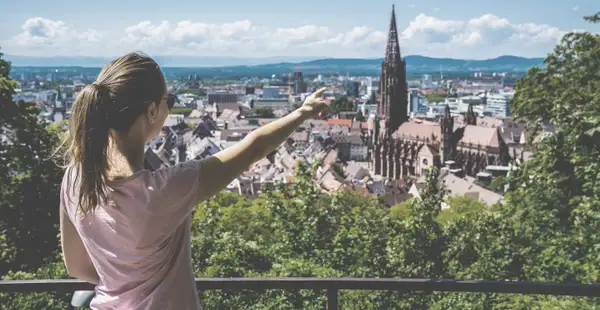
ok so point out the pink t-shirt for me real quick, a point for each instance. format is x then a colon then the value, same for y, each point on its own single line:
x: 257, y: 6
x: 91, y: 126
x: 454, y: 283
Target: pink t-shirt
x: 140, y: 241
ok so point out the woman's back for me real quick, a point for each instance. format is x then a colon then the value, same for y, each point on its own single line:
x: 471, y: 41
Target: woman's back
x: 139, y: 242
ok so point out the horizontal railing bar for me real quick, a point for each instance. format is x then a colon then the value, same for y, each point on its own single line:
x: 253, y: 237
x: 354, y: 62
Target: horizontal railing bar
x: 387, y: 284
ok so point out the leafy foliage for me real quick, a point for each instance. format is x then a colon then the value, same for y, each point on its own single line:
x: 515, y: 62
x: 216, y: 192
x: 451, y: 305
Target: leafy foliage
x: 459, y: 207
x: 30, y: 182
x: 360, y: 117
x: 262, y: 112
x: 184, y: 111
x: 193, y: 91
x: 342, y: 104
x: 436, y: 97
x: 53, y: 269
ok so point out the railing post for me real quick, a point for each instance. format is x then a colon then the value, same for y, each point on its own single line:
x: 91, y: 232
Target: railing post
x: 332, y: 299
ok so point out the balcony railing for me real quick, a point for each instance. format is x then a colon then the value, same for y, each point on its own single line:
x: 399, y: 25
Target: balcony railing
x: 333, y: 285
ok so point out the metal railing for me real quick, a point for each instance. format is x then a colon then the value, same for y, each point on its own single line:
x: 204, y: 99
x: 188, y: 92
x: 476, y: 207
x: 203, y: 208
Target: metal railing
x: 333, y: 285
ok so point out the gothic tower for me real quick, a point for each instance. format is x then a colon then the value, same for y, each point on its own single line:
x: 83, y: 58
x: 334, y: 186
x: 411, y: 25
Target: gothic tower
x: 470, y: 118
x: 392, y: 108
x: 447, y: 126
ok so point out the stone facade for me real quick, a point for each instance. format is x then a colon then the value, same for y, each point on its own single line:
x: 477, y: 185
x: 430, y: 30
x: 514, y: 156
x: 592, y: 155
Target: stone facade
x: 401, y: 148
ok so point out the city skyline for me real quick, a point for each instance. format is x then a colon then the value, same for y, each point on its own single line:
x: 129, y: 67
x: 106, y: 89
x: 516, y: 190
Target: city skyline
x: 473, y: 31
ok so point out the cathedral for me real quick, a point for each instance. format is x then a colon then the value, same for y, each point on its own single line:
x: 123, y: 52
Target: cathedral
x: 400, y: 147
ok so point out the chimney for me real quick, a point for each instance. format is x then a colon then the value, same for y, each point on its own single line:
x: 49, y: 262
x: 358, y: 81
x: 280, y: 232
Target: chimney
x: 457, y: 172
x: 484, y: 178
x: 450, y: 164
x: 182, y: 153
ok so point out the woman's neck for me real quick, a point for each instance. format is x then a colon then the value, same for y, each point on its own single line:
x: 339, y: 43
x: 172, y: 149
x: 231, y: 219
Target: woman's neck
x: 126, y: 157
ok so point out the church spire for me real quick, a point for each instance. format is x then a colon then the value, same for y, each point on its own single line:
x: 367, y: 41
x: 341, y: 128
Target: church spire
x: 392, y: 50
x: 470, y: 118
x: 447, y: 125
x: 58, y: 98
x: 393, y: 91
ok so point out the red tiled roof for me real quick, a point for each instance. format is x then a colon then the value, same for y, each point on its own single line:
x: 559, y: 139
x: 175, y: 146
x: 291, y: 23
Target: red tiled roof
x: 412, y: 130
x: 484, y: 136
x: 343, y: 122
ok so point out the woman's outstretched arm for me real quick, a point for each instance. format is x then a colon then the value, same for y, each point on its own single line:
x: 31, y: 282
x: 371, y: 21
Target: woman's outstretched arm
x: 219, y: 170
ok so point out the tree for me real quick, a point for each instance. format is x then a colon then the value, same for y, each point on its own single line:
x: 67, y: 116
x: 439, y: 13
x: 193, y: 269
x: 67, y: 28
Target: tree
x: 184, y: 111
x: 53, y: 268
x: 360, y: 117
x: 498, y: 185
x: 435, y: 97
x: 593, y: 18
x: 193, y: 91
x: 558, y: 189
x: 30, y: 182
x: 547, y: 230
x: 262, y: 112
x: 342, y: 105
x: 373, y: 98
x: 459, y: 207
x: 423, y: 243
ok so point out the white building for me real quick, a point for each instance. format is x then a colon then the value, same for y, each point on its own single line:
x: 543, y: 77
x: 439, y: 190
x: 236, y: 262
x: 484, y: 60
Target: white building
x: 367, y: 109
x: 28, y: 97
x: 271, y: 92
x: 174, y: 119
x: 488, y: 104
x: 498, y: 105
x: 427, y: 82
x: 273, y: 104
x: 350, y: 147
x: 372, y: 86
x: 460, y: 105
x: 417, y: 103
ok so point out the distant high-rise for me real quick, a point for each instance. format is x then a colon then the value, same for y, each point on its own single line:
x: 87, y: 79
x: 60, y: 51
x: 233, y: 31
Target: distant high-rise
x: 271, y: 92
x: 427, y: 82
x: 221, y: 97
x: 299, y: 84
x: 352, y: 88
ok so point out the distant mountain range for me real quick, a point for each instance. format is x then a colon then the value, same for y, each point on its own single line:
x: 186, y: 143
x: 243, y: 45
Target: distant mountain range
x: 415, y: 63
x: 231, y: 66
x: 165, y: 61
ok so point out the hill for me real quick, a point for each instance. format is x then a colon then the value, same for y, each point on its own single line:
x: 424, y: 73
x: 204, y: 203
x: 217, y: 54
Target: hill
x: 423, y: 63
x: 230, y: 66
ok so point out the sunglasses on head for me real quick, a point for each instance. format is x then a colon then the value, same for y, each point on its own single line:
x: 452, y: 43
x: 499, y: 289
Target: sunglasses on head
x: 171, y: 99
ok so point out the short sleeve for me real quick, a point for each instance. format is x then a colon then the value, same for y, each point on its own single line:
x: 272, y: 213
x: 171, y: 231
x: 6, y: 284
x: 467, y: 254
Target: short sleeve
x: 66, y: 194
x: 174, y: 193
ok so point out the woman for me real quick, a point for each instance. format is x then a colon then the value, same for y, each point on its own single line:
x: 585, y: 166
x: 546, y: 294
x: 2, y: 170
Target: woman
x: 127, y: 229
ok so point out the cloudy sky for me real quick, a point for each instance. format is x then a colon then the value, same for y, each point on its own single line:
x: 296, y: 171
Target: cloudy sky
x: 474, y: 29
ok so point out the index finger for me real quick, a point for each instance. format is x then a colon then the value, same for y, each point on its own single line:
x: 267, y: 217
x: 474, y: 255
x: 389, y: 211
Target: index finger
x: 320, y: 92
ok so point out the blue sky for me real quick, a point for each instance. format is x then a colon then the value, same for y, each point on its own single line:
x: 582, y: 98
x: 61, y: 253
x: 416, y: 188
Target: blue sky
x: 336, y: 28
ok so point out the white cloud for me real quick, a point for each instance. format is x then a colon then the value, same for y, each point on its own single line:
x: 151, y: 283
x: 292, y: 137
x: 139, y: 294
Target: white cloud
x: 480, y: 37
x: 575, y: 8
x: 187, y: 37
x: 49, y: 35
x: 145, y: 33
x: 411, y: 6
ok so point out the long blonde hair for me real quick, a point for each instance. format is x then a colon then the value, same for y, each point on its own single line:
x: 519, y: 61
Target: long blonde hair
x: 121, y: 93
